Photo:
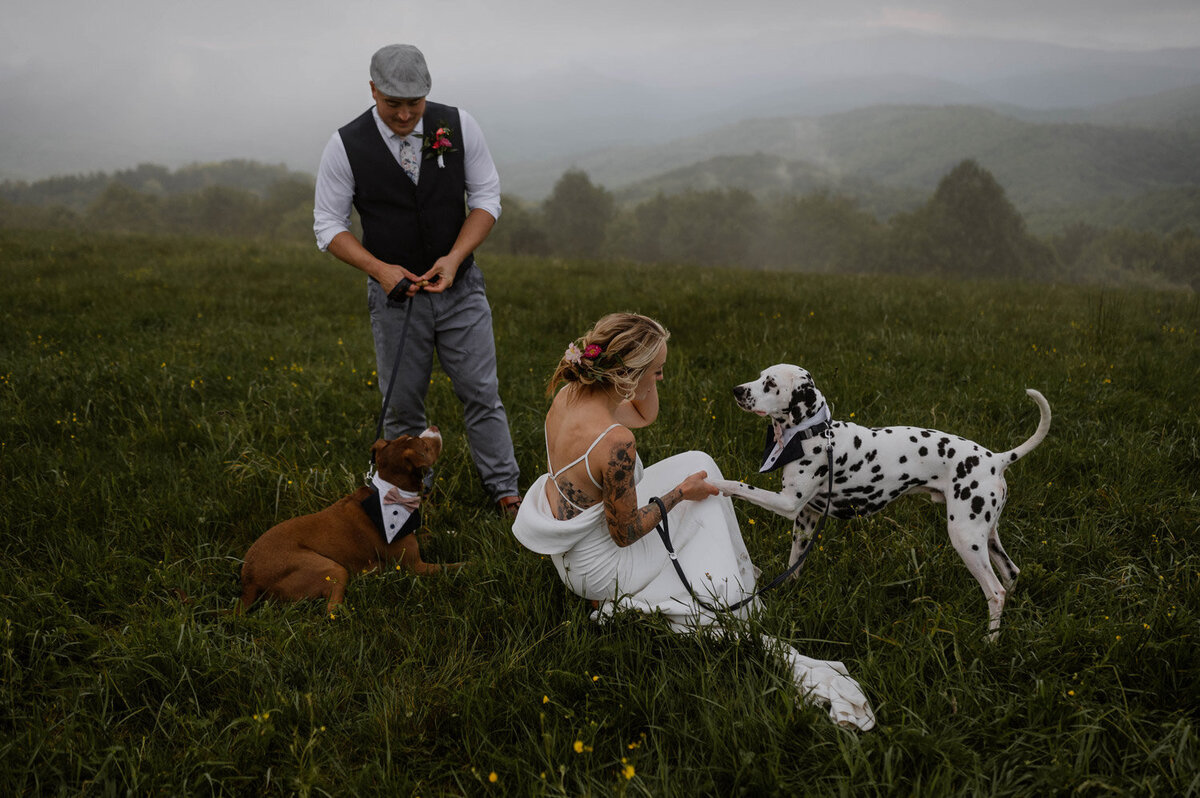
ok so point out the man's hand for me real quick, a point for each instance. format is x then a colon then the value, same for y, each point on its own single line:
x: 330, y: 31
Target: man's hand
x: 474, y: 230
x: 390, y: 275
x: 441, y: 276
x: 348, y: 249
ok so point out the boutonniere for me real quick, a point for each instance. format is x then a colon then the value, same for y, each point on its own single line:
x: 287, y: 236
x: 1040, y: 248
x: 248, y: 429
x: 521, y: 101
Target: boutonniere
x: 438, y: 144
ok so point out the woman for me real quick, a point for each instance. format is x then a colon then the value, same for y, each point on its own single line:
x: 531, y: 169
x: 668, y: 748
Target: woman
x: 594, y: 512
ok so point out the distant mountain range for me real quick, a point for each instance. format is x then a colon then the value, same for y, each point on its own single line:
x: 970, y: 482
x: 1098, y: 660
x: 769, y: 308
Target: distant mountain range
x: 891, y: 157
x: 1174, y: 109
x: 557, y: 114
x: 880, y: 118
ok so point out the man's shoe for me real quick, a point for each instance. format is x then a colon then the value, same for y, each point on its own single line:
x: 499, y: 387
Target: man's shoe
x: 508, y: 506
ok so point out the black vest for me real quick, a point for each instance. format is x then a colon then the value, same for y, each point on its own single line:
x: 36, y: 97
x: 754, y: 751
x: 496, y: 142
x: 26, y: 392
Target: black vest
x: 409, y: 225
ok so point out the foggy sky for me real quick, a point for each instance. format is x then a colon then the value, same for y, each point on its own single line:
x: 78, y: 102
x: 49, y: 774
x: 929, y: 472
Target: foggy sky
x: 101, y: 86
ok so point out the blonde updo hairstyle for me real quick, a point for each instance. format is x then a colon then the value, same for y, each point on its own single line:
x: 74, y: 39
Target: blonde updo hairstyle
x: 628, y: 344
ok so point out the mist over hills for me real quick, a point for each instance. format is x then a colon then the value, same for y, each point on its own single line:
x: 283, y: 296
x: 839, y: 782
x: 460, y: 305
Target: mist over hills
x: 553, y: 114
x: 1042, y: 164
x: 1174, y: 109
x: 880, y: 118
x: 1069, y: 133
x: 573, y: 113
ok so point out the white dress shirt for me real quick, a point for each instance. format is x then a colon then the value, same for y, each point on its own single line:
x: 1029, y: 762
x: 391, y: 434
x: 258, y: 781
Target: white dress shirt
x: 335, y: 179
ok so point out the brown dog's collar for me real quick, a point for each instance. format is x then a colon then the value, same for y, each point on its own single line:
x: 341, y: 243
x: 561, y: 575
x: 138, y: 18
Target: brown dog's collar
x: 374, y: 510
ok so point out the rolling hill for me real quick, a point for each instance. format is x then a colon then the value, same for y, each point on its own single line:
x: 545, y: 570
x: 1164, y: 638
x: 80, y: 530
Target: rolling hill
x: 1135, y: 161
x: 886, y: 155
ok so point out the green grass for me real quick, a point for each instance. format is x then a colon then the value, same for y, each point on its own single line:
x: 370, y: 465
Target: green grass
x: 164, y: 401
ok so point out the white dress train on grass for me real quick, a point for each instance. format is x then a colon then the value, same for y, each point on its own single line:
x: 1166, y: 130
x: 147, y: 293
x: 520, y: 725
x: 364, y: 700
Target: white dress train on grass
x: 711, y: 551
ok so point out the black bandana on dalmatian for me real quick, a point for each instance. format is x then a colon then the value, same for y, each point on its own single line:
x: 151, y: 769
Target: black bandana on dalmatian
x: 785, y: 445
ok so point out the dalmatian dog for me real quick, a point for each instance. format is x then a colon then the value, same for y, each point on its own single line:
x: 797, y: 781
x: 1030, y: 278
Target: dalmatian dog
x: 873, y: 467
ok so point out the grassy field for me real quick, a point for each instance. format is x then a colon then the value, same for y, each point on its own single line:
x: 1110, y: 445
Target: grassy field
x: 164, y: 401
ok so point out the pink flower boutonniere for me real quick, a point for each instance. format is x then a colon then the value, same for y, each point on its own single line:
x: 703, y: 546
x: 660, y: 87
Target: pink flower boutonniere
x: 438, y: 144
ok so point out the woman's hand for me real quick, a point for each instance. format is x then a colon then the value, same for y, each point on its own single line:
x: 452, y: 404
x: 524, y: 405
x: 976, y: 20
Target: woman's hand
x: 695, y: 489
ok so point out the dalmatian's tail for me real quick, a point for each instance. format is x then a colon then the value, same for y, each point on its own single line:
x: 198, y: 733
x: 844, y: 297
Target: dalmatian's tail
x: 1043, y: 427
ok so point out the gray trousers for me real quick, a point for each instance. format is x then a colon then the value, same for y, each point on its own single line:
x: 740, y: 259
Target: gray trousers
x: 457, y: 324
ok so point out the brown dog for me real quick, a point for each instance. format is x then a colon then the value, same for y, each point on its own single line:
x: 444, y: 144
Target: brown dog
x: 314, y: 555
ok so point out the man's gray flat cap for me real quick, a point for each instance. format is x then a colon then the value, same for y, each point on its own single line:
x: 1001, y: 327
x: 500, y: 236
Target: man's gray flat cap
x: 399, y: 70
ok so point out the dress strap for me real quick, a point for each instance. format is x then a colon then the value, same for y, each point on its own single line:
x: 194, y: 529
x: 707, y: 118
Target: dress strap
x: 580, y: 459
x: 599, y: 438
x: 583, y: 458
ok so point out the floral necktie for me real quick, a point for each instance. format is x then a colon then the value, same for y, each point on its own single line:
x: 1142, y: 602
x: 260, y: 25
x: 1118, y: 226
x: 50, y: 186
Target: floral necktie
x: 409, y: 161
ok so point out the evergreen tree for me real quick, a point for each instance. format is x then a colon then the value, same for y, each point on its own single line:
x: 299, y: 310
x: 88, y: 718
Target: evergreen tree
x: 968, y: 229
x: 577, y: 214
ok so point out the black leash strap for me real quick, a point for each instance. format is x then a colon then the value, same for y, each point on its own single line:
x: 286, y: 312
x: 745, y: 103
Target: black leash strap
x: 664, y: 533
x: 663, y: 530
x: 397, y: 295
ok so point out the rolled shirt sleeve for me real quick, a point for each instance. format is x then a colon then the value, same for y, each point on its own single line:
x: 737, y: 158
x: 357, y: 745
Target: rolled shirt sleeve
x: 483, y: 181
x: 334, y: 193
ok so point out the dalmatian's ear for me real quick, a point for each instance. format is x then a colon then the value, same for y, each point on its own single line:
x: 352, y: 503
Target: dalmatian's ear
x: 788, y: 378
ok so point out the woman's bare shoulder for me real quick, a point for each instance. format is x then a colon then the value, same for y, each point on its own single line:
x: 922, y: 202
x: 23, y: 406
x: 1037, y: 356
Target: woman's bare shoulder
x: 574, y: 426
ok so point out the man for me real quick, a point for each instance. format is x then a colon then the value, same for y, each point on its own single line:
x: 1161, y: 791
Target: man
x: 406, y: 164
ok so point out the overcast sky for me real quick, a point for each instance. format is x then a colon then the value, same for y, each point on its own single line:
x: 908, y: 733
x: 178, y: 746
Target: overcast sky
x: 97, y: 73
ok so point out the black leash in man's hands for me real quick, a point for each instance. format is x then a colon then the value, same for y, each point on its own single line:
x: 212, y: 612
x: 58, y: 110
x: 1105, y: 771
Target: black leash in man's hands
x: 396, y: 297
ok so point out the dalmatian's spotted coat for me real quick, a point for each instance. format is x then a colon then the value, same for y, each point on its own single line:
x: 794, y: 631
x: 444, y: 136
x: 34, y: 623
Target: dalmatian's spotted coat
x: 873, y: 467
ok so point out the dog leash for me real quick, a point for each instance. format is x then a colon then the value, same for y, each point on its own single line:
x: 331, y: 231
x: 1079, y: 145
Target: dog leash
x: 398, y: 295
x: 663, y: 530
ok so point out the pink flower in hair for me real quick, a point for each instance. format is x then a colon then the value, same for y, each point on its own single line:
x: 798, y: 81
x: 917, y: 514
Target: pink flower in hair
x: 593, y: 351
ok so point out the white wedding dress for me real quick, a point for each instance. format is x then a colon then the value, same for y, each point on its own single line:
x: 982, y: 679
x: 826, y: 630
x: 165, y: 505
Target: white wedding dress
x: 640, y: 576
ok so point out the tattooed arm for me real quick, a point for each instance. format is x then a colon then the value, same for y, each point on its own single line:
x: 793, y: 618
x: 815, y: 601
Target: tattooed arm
x: 627, y: 522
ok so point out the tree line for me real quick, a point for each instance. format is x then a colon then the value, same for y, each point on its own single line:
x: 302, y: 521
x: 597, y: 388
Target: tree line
x: 230, y: 198
x: 966, y: 229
